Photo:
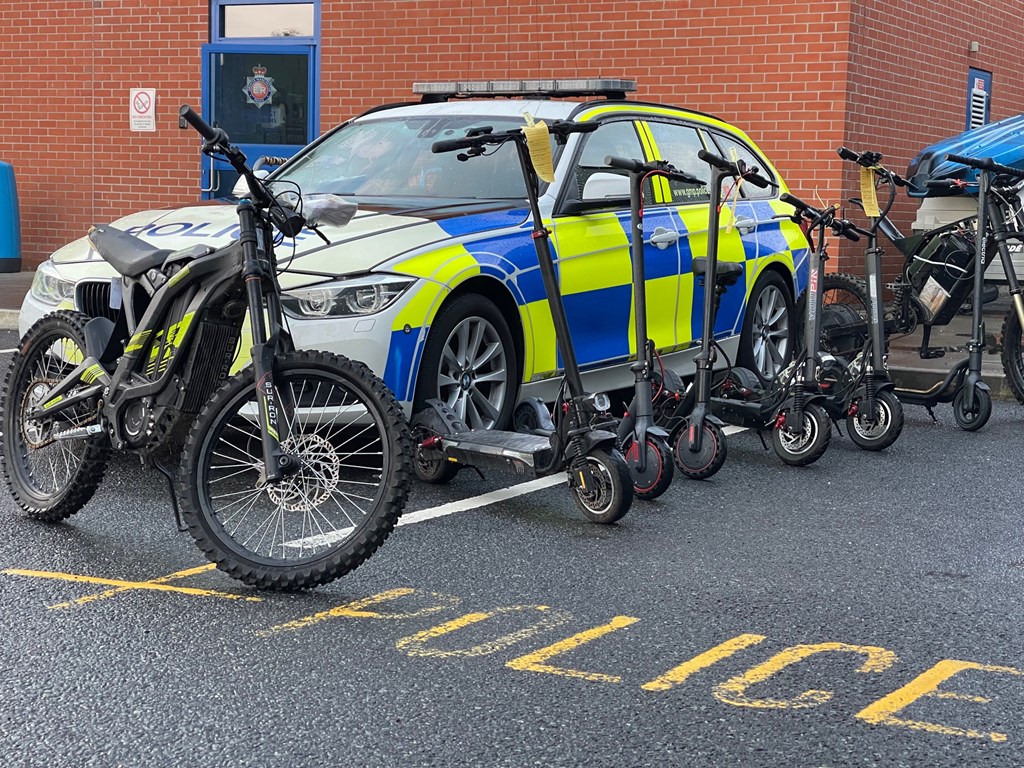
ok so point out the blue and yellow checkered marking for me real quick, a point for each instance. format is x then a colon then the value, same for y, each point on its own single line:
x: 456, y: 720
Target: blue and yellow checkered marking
x: 593, y: 266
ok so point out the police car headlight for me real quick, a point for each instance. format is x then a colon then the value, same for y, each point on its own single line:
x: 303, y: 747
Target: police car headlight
x: 363, y: 295
x: 49, y: 287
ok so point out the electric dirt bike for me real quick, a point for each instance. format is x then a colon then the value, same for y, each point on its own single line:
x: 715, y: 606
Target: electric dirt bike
x: 292, y: 471
x: 579, y: 436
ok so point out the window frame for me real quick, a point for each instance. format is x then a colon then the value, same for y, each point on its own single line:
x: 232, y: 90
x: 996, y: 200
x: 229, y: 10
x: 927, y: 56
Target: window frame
x: 217, y: 33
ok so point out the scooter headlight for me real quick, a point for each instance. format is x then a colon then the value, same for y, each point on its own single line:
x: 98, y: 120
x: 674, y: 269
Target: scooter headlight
x: 601, y: 402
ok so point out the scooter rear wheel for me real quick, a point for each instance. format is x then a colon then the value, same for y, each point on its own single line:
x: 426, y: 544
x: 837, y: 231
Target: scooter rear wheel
x: 967, y: 421
x: 702, y: 464
x: 658, y: 467
x: 601, y: 486
x: 878, y: 432
x: 807, y: 446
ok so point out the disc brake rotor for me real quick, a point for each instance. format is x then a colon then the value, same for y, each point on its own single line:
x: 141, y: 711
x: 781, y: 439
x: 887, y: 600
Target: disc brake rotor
x: 318, y: 475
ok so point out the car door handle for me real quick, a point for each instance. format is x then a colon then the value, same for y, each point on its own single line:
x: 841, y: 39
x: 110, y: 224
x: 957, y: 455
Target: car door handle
x: 745, y: 226
x: 662, y: 238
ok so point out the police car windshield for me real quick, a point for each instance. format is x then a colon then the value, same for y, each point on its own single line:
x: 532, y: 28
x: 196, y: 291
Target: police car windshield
x: 391, y: 157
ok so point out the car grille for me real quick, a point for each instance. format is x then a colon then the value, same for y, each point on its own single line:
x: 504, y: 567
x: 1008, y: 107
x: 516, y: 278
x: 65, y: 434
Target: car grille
x: 93, y: 298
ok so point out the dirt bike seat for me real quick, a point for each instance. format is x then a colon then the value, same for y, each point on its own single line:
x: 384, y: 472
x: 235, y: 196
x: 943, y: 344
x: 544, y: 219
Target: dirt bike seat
x: 727, y: 272
x: 128, y: 254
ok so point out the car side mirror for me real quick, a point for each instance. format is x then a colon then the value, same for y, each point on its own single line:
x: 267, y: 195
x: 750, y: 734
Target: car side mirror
x: 241, y: 188
x: 601, y: 186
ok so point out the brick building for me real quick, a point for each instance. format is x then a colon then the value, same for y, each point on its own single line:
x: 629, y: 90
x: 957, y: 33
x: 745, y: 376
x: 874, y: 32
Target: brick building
x: 801, y: 79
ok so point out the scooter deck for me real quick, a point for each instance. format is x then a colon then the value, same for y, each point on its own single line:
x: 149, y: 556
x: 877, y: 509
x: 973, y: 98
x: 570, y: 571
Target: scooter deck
x: 520, y: 453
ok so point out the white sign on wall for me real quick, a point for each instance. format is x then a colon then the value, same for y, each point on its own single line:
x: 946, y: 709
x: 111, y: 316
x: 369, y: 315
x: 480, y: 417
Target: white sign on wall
x: 142, y: 109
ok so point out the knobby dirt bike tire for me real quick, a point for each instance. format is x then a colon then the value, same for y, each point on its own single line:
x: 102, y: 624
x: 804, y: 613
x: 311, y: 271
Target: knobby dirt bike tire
x: 83, y: 460
x: 323, y: 472
x: 1012, y: 353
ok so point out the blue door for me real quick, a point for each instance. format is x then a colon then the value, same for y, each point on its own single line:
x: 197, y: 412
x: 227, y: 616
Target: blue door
x: 262, y: 95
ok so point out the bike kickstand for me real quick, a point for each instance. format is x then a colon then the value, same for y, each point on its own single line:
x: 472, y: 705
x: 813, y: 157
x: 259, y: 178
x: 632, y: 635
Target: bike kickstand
x: 170, y: 489
x: 760, y: 434
x: 931, y: 413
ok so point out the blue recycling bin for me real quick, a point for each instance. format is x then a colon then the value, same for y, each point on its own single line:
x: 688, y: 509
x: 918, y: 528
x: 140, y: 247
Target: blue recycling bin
x: 10, y: 221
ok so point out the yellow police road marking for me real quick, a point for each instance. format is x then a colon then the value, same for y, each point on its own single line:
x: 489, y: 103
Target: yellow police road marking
x: 121, y: 585
x: 416, y: 645
x: 358, y: 610
x: 883, y: 711
x: 534, y: 662
x: 734, y: 690
x: 678, y: 675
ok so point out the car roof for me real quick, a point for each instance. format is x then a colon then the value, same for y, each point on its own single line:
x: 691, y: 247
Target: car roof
x: 542, y: 109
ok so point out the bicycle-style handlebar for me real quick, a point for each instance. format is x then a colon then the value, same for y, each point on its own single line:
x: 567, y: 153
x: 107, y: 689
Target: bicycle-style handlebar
x: 872, y: 161
x: 207, y: 131
x: 660, y: 167
x: 987, y: 164
x: 739, y: 169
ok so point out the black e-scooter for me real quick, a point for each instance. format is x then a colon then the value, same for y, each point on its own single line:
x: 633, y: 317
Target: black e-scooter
x: 790, y: 406
x: 651, y: 469
x: 963, y: 385
x: 581, y: 439
x: 873, y: 414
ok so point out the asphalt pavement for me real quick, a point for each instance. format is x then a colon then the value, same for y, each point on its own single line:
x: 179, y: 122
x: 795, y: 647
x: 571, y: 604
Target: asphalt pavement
x: 863, y: 611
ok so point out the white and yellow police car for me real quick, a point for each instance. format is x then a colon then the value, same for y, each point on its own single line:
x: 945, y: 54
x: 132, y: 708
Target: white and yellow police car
x: 436, y: 285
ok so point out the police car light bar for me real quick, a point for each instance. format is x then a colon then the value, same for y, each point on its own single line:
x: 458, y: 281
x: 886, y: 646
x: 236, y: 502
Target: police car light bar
x: 608, y: 87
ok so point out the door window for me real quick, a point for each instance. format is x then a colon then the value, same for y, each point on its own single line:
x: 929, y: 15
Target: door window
x: 727, y: 145
x: 261, y: 98
x: 679, y: 145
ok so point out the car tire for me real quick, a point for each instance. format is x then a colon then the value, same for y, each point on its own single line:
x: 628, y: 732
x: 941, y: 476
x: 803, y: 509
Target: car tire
x: 766, y: 340
x: 470, y: 363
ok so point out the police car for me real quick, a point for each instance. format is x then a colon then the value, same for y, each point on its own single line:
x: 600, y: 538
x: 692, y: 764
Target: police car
x: 435, y: 283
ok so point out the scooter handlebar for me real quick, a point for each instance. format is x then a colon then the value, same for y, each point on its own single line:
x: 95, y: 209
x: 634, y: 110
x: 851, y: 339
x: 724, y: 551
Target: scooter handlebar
x: 633, y: 166
x: 987, y: 164
x: 660, y: 167
x: 736, y: 169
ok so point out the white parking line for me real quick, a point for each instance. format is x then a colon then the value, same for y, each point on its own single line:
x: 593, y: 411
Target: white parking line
x: 462, y: 505
x: 7, y: 351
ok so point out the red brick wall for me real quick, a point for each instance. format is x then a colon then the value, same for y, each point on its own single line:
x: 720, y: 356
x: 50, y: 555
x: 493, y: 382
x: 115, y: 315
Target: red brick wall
x: 67, y: 69
x: 908, y: 78
x: 779, y: 71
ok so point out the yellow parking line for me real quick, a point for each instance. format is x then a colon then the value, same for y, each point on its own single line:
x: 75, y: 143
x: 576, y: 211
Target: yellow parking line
x: 156, y: 585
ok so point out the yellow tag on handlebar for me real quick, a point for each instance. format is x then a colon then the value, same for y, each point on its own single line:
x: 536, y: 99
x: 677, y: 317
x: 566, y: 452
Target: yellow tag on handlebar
x: 539, y: 144
x: 734, y: 190
x: 868, y: 195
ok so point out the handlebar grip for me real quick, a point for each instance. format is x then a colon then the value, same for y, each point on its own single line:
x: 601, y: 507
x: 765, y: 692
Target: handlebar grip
x: 847, y: 230
x: 634, y: 166
x: 713, y: 159
x: 848, y: 154
x: 987, y: 164
x: 450, y: 145
x: 757, y: 180
x: 565, y: 127
x: 940, y: 184
x: 793, y: 200
x: 206, y: 130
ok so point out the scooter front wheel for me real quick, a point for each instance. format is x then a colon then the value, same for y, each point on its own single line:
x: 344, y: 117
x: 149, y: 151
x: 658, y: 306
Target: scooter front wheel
x: 601, y: 486
x: 874, y: 432
x: 972, y: 421
x: 809, y: 444
x: 658, y: 470
x: 702, y: 464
